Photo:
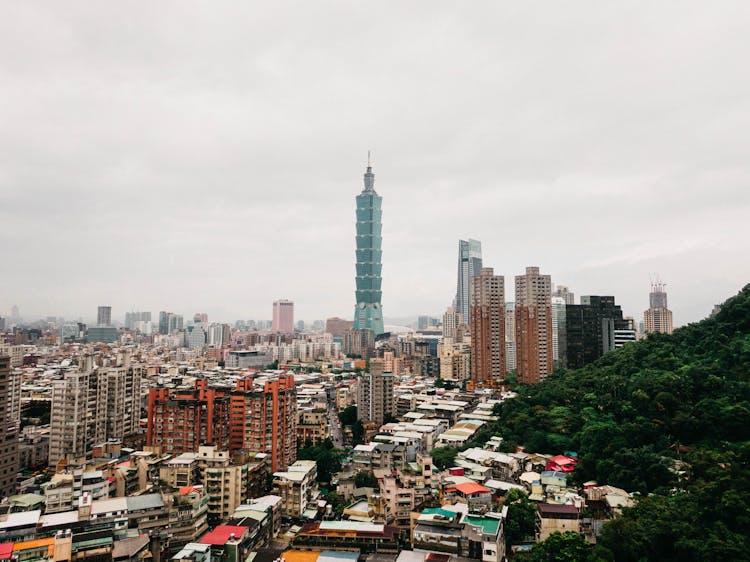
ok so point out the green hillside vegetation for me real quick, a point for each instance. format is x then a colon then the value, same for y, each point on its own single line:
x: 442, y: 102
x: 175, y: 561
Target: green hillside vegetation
x: 668, y: 417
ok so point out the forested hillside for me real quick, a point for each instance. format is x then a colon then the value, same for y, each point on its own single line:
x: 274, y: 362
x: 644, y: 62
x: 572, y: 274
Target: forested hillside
x: 668, y: 417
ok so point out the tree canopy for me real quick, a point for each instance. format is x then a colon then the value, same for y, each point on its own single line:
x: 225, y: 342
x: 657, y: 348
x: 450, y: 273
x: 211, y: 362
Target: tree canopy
x: 326, y: 456
x: 668, y: 417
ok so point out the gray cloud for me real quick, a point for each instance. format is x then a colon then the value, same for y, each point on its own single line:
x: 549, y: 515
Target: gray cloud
x: 189, y: 156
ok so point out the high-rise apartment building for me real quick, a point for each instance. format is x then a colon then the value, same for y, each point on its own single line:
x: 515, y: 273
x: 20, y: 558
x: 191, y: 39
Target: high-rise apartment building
x: 170, y: 322
x: 219, y: 335
x: 283, y: 316
x: 181, y: 420
x: 258, y: 415
x: 565, y: 294
x: 104, y: 316
x: 533, y: 326
x: 452, y: 319
x: 368, y: 312
x: 469, y: 265
x: 264, y: 418
x: 10, y: 421
x: 338, y: 326
x: 375, y: 394
x: 510, y: 336
x: 488, y: 328
x: 657, y: 318
x: 455, y: 361
x: 133, y: 318
x: 93, y: 405
x: 558, y: 327
x: 359, y: 343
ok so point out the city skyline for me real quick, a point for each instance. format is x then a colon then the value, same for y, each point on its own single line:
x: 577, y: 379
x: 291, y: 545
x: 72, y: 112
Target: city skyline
x: 196, y: 174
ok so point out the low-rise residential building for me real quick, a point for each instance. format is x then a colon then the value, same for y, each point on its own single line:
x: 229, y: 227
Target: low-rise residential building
x: 460, y: 434
x: 194, y: 552
x: 188, y: 517
x: 555, y: 518
x: 298, y: 489
x: 229, y: 543
x: 182, y: 470
x: 224, y: 481
x: 378, y: 455
x: 453, y: 530
x: 348, y: 535
x: 312, y: 425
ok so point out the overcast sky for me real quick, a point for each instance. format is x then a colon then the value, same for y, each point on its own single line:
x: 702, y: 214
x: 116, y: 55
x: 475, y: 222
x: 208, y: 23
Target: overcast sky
x: 205, y: 156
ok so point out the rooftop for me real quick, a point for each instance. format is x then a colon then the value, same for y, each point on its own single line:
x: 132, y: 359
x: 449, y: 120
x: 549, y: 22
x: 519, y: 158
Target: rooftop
x: 470, y: 488
x: 222, y: 534
x: 489, y: 525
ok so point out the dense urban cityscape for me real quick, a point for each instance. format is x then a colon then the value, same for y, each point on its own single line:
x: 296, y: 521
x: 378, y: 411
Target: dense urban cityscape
x: 169, y: 439
x: 374, y: 282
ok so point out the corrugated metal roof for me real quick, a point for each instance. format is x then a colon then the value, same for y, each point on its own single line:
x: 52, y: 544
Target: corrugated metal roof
x: 146, y: 501
x: 351, y: 526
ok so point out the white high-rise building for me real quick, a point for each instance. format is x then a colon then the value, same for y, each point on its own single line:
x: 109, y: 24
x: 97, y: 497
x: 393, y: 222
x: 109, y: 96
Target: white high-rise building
x: 92, y: 405
x: 452, y: 319
x: 558, y: 326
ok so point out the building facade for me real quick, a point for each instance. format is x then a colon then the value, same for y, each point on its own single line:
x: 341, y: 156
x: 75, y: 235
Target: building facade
x: 368, y: 312
x: 256, y: 415
x: 283, y: 316
x: 181, y: 420
x: 94, y: 405
x: 533, y: 311
x: 264, y: 418
x: 10, y: 421
x: 488, y: 328
x: 104, y: 316
x: 375, y: 394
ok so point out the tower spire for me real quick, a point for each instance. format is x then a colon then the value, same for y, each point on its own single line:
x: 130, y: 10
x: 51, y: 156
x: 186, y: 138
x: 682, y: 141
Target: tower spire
x: 369, y: 176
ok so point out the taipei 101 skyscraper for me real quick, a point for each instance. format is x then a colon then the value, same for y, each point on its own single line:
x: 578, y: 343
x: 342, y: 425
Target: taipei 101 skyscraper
x: 368, y: 312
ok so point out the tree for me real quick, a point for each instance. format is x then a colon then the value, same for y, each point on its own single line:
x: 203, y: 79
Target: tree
x: 563, y: 547
x: 521, y: 521
x: 358, y: 433
x: 326, y: 456
x: 337, y: 502
x: 365, y: 479
x: 348, y: 415
x: 389, y: 418
x: 444, y: 457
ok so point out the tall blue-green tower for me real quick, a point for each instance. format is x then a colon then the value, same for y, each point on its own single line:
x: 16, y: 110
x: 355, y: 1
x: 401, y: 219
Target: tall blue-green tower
x: 368, y: 312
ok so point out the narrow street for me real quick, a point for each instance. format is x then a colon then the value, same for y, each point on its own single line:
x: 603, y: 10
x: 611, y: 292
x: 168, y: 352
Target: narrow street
x: 333, y: 420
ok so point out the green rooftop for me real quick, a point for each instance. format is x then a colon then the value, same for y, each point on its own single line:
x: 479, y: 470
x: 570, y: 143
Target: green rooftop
x: 489, y: 525
x: 439, y: 511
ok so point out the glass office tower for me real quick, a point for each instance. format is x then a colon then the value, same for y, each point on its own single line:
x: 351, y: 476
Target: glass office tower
x: 469, y: 266
x: 368, y: 312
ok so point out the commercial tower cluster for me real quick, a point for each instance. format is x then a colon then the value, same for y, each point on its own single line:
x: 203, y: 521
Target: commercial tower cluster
x: 486, y: 337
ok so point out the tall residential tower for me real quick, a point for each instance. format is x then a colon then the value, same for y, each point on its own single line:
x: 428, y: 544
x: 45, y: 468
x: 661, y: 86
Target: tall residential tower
x: 469, y: 265
x: 488, y: 328
x: 534, y: 352
x: 368, y: 312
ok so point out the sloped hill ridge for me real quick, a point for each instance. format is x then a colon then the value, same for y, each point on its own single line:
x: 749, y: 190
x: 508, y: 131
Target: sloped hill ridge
x: 668, y: 417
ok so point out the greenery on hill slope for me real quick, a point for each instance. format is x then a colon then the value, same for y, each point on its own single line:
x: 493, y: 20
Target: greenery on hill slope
x: 668, y: 417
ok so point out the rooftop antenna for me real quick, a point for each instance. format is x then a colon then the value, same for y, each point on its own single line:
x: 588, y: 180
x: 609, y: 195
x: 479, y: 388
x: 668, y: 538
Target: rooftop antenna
x: 368, y: 159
